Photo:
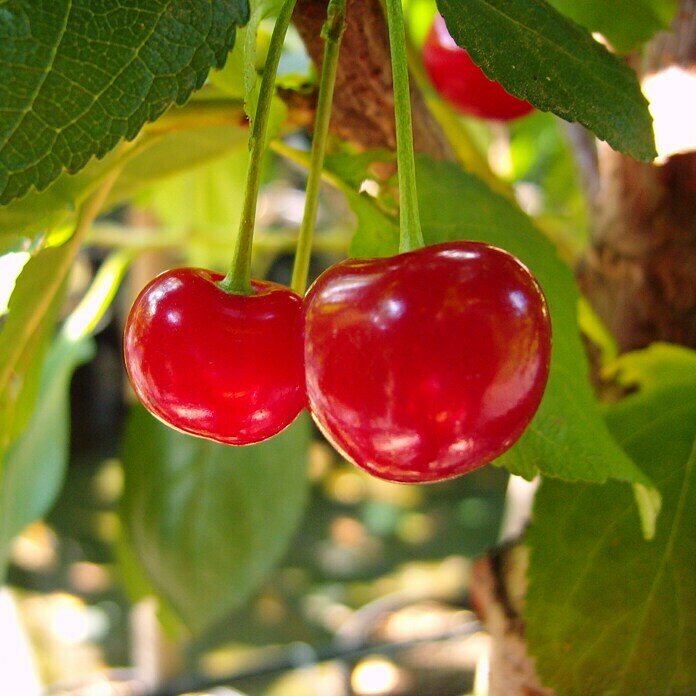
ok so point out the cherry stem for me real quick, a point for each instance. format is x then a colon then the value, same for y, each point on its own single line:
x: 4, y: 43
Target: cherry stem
x: 410, y: 235
x: 238, y: 279
x: 332, y: 32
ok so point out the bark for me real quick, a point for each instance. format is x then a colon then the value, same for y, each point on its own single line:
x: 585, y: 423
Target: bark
x: 497, y: 590
x: 363, y: 108
x: 640, y: 273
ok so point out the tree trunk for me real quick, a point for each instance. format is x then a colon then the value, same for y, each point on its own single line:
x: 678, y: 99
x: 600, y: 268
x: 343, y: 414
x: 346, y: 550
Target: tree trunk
x: 640, y: 272
x: 363, y: 107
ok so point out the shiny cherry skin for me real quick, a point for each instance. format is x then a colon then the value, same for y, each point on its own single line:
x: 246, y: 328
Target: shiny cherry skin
x: 214, y: 364
x: 462, y: 83
x: 429, y: 364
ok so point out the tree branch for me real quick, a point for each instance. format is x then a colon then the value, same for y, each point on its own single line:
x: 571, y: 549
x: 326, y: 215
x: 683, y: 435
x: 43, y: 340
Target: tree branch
x: 639, y: 273
x: 363, y: 108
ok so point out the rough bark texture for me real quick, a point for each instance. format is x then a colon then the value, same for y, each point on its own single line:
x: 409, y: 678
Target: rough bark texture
x: 363, y: 108
x: 640, y: 273
x: 497, y: 590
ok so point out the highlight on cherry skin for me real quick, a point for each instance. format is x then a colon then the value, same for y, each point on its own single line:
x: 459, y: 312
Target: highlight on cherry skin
x: 221, y: 366
x: 460, y: 82
x: 429, y: 364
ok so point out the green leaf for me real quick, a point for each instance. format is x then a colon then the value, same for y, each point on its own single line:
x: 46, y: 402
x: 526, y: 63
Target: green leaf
x: 377, y: 233
x: 16, y: 242
x: 57, y: 205
x: 660, y: 366
x: 11, y: 264
x: 625, y: 23
x: 139, y: 587
x: 260, y: 9
x: 206, y: 204
x: 539, y: 55
x: 85, y: 318
x: 33, y: 310
x: 623, y: 609
x: 208, y: 522
x: 156, y: 157
x: 75, y: 81
x: 240, y: 76
x: 596, y: 332
x: 34, y: 467
x: 32, y: 473
x: 230, y: 79
x: 175, y: 154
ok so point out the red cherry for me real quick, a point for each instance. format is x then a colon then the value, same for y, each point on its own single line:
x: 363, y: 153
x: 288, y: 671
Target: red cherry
x: 210, y: 363
x: 429, y: 364
x: 462, y: 83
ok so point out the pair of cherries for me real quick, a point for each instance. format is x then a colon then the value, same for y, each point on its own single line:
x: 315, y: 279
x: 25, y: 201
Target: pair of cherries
x: 418, y: 367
